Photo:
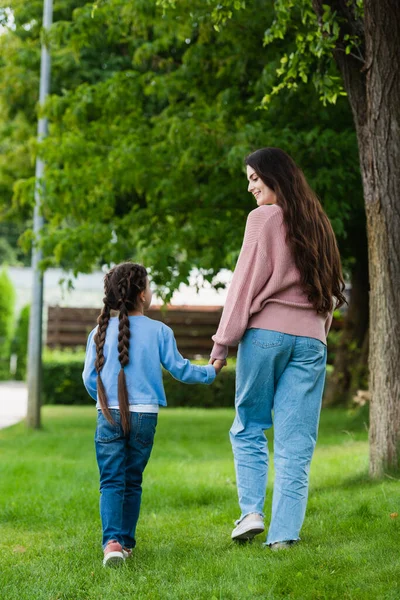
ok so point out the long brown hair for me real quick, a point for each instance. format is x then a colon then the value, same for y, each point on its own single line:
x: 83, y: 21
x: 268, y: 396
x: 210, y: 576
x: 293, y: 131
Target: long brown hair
x: 309, y: 231
x: 122, y: 285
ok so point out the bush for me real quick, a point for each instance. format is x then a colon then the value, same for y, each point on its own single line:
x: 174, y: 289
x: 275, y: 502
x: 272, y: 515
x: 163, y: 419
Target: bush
x: 62, y: 378
x: 19, y: 344
x: 221, y: 393
x: 62, y: 384
x: 7, y: 296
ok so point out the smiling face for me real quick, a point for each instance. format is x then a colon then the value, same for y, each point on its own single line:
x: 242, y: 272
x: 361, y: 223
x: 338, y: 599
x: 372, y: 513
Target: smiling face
x: 261, y: 192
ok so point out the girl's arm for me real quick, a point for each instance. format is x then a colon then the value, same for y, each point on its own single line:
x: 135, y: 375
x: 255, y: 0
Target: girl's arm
x: 179, y: 367
x: 89, y: 374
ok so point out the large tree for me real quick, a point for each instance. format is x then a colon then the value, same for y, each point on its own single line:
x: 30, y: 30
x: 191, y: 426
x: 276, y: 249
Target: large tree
x: 150, y: 118
x: 361, y: 39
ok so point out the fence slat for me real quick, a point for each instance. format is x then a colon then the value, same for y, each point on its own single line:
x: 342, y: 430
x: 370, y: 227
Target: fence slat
x: 193, y: 326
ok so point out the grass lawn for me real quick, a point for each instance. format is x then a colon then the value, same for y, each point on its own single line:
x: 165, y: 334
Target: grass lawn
x: 50, y: 528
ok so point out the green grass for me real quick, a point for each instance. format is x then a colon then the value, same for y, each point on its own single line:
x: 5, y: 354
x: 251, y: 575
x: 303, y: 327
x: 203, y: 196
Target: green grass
x: 50, y: 528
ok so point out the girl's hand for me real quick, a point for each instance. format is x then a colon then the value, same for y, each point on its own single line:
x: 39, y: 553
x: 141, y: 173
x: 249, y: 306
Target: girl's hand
x: 219, y: 364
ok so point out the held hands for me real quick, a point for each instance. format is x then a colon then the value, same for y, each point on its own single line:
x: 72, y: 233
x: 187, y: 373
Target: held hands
x: 217, y: 364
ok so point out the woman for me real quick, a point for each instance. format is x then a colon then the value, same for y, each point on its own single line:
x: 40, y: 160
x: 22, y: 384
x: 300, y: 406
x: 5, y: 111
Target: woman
x: 286, y: 284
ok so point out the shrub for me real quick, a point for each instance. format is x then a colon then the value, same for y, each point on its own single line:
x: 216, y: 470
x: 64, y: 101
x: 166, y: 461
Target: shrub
x: 221, y: 393
x: 7, y: 296
x: 62, y: 378
x: 19, y: 344
x: 62, y: 384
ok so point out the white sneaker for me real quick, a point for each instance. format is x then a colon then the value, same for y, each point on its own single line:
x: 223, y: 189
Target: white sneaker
x: 247, y: 528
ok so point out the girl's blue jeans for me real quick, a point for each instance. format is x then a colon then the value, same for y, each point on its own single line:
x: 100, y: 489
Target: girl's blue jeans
x: 122, y: 460
x: 284, y: 375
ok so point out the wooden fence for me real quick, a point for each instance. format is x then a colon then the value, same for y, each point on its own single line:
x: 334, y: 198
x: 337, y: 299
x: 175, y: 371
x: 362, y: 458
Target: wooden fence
x: 193, y: 326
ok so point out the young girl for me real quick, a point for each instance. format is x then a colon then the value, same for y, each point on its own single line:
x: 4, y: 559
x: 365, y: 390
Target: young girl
x: 123, y: 374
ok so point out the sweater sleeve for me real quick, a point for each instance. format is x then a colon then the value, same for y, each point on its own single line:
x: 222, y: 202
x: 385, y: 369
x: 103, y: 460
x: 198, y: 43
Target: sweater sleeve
x: 252, y: 272
x: 89, y: 374
x: 179, y: 367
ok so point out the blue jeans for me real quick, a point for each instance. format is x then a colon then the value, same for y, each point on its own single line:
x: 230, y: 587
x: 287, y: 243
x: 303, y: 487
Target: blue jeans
x: 284, y: 374
x: 121, y: 460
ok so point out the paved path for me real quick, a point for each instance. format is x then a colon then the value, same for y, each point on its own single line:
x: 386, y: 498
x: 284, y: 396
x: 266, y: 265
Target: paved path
x: 13, y: 402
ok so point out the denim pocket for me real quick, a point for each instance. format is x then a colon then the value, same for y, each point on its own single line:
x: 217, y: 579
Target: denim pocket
x: 106, y: 431
x: 146, y: 428
x: 317, y: 345
x: 266, y: 338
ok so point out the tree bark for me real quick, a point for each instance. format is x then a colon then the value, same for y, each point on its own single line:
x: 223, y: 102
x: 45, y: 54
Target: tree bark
x: 374, y: 95
x: 381, y: 177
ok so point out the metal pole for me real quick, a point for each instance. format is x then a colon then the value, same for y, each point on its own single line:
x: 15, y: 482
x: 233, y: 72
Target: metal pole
x: 35, y: 321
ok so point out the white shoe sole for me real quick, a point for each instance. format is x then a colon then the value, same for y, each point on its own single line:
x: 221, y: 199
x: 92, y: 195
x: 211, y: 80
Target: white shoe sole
x: 113, y: 559
x: 247, y: 531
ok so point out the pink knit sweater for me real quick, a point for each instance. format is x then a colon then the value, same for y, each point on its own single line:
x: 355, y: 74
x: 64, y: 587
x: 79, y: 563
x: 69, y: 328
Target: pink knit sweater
x: 265, y: 291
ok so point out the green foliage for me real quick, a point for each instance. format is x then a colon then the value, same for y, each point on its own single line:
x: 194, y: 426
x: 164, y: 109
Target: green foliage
x: 313, y: 38
x: 334, y: 337
x: 220, y: 13
x: 221, y: 393
x: 7, y: 296
x: 7, y: 253
x: 62, y: 384
x: 62, y: 378
x: 19, y: 344
x: 11, y: 253
x: 151, y: 114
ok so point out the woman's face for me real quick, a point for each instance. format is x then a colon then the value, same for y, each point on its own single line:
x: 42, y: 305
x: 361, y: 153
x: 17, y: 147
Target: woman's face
x: 261, y: 192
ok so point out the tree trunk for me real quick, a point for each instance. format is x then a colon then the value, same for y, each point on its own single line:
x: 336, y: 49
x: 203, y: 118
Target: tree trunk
x: 381, y: 178
x: 374, y: 95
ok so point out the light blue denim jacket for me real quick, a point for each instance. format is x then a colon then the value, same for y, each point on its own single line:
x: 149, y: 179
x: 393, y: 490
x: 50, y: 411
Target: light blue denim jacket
x: 152, y: 344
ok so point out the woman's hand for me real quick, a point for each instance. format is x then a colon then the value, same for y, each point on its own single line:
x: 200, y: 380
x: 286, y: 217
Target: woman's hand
x: 218, y: 364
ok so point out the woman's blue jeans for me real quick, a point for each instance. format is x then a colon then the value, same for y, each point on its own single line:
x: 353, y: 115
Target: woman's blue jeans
x: 283, y: 374
x: 122, y: 460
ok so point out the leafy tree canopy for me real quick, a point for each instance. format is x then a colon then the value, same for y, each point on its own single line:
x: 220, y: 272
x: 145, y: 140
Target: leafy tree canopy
x: 151, y: 114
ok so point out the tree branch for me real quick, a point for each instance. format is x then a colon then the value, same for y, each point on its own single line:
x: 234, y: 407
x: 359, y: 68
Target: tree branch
x: 354, y: 77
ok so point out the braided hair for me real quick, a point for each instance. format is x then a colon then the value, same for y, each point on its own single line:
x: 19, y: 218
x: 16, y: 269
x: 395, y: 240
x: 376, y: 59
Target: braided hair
x: 122, y: 285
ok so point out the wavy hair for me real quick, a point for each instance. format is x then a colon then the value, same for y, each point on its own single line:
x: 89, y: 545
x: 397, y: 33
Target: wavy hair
x: 309, y: 231
x: 122, y: 285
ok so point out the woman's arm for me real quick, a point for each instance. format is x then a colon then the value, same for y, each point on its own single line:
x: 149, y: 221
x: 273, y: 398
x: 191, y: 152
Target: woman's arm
x: 251, y: 274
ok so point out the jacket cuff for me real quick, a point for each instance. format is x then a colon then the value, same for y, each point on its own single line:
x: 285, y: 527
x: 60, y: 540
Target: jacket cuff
x: 219, y: 351
x: 211, y: 373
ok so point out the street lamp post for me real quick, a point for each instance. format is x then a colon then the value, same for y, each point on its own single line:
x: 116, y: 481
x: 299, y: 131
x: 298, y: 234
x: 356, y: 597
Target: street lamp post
x: 35, y: 321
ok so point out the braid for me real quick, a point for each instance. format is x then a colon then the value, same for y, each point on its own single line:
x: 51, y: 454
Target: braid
x: 123, y: 336
x: 99, y: 340
x: 122, y: 285
x: 123, y: 356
